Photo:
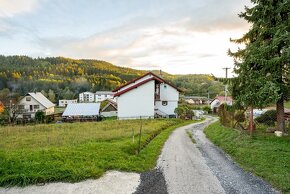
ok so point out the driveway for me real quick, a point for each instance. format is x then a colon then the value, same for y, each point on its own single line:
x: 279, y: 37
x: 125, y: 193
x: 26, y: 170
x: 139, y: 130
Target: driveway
x: 200, y: 168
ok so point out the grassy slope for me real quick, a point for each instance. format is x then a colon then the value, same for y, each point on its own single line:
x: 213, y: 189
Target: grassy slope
x: 265, y: 155
x: 73, y: 152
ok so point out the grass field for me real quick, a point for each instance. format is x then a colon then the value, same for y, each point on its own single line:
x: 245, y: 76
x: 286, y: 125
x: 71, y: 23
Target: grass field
x: 76, y: 151
x: 265, y: 155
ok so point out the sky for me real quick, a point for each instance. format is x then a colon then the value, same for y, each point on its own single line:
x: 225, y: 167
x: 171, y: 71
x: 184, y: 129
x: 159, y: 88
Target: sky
x: 175, y: 36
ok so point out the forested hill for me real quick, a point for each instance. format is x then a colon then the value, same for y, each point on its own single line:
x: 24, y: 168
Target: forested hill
x: 67, y: 77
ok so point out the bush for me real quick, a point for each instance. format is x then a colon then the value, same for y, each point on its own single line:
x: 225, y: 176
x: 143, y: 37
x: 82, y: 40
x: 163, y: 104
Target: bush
x: 39, y: 116
x: 207, y: 109
x: 268, y: 118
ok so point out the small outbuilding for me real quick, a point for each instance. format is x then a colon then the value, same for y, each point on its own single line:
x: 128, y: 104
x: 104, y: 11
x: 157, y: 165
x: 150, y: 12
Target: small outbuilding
x: 82, y: 112
x: 109, y: 108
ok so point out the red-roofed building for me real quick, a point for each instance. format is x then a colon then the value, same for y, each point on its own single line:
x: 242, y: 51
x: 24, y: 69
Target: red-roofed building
x: 218, y: 100
x: 147, y: 96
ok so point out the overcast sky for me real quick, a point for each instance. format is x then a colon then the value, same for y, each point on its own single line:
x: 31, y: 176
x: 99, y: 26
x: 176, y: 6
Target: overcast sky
x: 177, y: 36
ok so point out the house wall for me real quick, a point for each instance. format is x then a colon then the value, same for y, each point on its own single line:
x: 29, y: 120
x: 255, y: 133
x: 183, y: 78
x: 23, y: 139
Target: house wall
x: 102, y: 97
x: 169, y: 94
x: 137, y: 102
x: 87, y: 97
x: 49, y: 111
x: 64, y: 103
x: 27, y: 104
x: 109, y: 114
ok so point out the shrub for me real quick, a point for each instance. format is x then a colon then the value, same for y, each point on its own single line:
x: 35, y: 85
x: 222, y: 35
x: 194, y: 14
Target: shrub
x: 268, y: 118
x: 39, y: 116
x: 207, y: 109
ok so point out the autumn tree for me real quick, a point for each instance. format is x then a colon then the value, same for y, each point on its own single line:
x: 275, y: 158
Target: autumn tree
x: 263, y: 65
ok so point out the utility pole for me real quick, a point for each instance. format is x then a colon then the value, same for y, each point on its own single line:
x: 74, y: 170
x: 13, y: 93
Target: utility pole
x: 226, y: 86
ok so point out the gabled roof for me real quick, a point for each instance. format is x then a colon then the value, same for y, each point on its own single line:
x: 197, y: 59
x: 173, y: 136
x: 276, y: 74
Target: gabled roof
x: 110, y: 103
x: 38, y: 96
x: 149, y: 73
x: 222, y: 99
x: 82, y: 109
x: 154, y: 77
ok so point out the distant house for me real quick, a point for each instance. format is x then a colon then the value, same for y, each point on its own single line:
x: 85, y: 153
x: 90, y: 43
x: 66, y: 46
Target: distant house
x: 64, y: 103
x: 33, y: 102
x: 148, y: 96
x: 82, y: 111
x: 218, y: 100
x: 103, y: 95
x: 87, y: 97
x: 196, y: 100
x: 109, y: 109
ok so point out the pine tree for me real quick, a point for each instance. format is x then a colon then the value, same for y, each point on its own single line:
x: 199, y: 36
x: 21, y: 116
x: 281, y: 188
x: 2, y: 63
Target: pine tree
x: 264, y: 63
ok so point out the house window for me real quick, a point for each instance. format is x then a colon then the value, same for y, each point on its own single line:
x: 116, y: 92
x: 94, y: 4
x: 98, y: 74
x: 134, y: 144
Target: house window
x: 20, y: 107
x: 164, y: 103
x: 28, y: 98
x: 36, y: 106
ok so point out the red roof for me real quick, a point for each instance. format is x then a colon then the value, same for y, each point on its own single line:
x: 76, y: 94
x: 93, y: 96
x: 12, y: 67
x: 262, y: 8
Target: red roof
x: 222, y: 98
x: 155, y: 77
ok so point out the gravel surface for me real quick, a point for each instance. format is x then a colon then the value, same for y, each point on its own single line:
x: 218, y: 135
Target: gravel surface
x: 232, y: 178
x: 113, y: 182
x: 203, y: 167
x: 152, y: 182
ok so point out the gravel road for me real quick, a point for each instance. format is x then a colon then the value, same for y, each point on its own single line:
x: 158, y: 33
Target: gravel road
x: 201, y: 167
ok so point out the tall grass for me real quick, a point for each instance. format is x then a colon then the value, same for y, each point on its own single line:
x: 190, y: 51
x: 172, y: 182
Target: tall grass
x: 76, y: 151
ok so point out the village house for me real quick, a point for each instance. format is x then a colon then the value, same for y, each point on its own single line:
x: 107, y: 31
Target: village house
x: 109, y: 108
x: 33, y: 102
x: 196, y: 100
x: 87, y: 97
x: 103, y: 95
x: 148, y: 96
x: 64, y: 102
x: 218, y: 100
x: 98, y: 96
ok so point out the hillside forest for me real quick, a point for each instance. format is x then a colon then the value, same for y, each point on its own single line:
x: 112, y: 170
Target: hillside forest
x: 64, y: 78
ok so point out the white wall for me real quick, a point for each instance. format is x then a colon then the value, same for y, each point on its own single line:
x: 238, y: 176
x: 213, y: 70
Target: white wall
x: 137, y: 102
x: 64, y: 103
x: 27, y: 106
x: 109, y: 114
x: 169, y: 94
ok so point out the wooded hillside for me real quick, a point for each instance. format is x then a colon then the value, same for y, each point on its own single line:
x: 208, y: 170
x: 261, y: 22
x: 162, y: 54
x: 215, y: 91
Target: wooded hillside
x: 62, y: 77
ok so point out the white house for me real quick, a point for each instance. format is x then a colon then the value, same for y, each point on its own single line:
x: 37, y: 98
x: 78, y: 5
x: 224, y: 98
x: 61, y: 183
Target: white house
x: 87, y: 97
x: 103, y: 95
x: 64, y: 103
x: 218, y: 100
x: 33, y: 102
x: 147, y: 96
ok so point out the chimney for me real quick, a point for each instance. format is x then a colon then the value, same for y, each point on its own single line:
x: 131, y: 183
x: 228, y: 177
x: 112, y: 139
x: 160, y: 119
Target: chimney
x: 160, y: 73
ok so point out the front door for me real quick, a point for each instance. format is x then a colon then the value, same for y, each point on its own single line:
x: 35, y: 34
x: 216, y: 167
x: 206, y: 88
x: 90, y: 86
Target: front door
x: 31, y: 108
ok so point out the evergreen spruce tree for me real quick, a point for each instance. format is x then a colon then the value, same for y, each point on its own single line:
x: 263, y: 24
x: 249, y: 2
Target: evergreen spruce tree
x: 263, y: 65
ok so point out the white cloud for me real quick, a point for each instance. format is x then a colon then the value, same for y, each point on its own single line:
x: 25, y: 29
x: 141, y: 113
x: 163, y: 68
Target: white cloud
x: 10, y: 8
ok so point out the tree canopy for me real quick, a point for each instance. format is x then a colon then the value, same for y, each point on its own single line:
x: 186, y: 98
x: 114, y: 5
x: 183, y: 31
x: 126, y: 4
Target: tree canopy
x: 263, y: 65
